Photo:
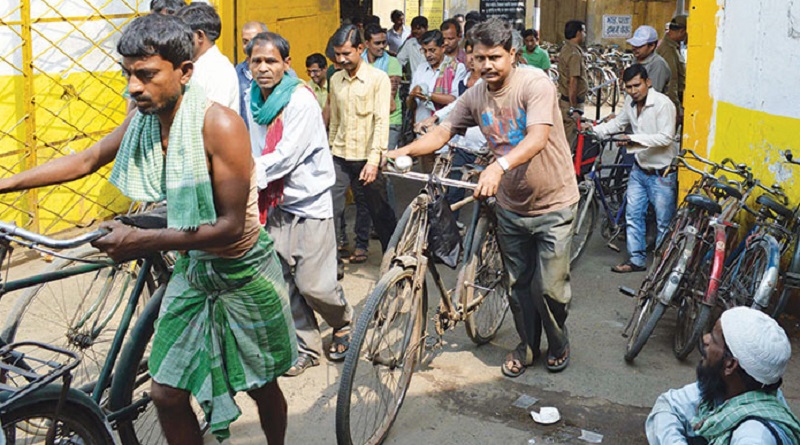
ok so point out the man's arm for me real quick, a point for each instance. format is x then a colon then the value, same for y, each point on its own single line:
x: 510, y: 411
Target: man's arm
x: 665, y: 120
x: 334, y: 115
x: 669, y: 421
x: 70, y: 167
x: 301, y: 120
x: 427, y: 144
x: 380, y: 138
x: 228, y: 148
x: 616, y: 125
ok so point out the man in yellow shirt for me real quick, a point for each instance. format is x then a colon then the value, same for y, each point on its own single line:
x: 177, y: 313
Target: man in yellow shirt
x: 359, y: 100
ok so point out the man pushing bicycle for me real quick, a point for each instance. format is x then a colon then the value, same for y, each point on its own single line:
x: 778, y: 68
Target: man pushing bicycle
x: 517, y: 111
x: 225, y: 323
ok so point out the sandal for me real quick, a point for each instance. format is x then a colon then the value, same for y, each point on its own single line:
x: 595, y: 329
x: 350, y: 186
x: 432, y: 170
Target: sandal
x: 513, y: 366
x: 359, y: 256
x: 552, y: 366
x: 303, y: 362
x: 340, y: 343
x: 627, y: 267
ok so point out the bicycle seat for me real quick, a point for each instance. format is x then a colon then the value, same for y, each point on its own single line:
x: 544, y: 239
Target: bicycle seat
x: 773, y: 205
x: 726, y: 190
x: 703, y: 202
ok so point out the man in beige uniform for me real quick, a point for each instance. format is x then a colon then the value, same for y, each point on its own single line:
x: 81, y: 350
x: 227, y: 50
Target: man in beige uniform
x: 572, y: 78
x: 670, y: 50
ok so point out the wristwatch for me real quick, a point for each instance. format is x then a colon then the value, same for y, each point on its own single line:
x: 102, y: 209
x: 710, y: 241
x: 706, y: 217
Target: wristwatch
x: 503, y: 163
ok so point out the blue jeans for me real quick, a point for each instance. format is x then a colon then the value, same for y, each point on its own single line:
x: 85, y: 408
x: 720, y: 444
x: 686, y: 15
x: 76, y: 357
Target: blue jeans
x: 644, y: 189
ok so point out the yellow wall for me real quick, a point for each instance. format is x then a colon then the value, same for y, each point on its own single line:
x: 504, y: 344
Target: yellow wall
x: 718, y: 128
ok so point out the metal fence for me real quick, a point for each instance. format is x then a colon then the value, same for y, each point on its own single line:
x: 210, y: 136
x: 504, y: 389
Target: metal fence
x: 60, y: 92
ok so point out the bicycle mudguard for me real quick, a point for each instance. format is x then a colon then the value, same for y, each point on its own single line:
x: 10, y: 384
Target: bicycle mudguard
x: 769, y: 282
x: 676, y: 276
x: 52, y: 393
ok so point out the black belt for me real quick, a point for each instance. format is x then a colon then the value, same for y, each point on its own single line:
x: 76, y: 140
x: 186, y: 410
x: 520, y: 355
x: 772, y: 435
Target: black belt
x: 580, y: 99
x: 655, y: 171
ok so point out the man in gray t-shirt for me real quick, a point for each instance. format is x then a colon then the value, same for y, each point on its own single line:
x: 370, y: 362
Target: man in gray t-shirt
x: 644, y: 43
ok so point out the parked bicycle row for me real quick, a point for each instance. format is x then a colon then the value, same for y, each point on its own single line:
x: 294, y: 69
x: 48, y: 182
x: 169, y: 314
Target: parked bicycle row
x: 703, y: 267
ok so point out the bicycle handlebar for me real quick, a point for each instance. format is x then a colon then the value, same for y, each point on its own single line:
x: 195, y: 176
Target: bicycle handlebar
x: 790, y: 158
x: 423, y: 177
x: 11, y: 229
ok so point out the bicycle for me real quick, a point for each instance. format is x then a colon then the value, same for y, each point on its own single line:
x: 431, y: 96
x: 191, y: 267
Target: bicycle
x: 698, y: 228
x: 118, y: 392
x: 604, y: 184
x: 777, y: 228
x: 389, y: 335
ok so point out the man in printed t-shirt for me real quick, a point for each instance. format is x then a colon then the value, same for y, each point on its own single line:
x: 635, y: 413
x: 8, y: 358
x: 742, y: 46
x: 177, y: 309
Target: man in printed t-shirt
x: 517, y: 110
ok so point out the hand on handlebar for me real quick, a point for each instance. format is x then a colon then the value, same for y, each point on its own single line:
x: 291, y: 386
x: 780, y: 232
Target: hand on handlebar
x: 120, y: 243
x: 623, y: 140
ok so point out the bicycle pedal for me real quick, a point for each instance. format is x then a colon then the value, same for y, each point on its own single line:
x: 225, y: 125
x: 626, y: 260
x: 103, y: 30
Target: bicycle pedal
x: 613, y: 247
x: 433, y: 342
x: 627, y: 291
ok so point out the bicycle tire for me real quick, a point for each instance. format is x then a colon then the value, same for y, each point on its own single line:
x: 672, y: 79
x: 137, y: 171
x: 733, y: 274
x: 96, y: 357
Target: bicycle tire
x: 131, y: 380
x: 82, y: 312
x: 583, y: 227
x: 691, y: 324
x: 647, y: 313
x: 384, y: 308
x: 484, y: 269
x: 76, y: 424
x: 699, y: 328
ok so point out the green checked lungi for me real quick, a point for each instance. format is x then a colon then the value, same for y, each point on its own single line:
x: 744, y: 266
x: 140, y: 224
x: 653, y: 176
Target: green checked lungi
x: 225, y: 326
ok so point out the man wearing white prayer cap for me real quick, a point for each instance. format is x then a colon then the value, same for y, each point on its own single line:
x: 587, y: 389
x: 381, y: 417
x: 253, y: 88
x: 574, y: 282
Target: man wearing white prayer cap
x: 736, y: 399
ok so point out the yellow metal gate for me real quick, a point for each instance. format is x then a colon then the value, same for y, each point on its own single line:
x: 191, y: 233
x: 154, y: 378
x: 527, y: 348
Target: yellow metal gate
x: 60, y: 92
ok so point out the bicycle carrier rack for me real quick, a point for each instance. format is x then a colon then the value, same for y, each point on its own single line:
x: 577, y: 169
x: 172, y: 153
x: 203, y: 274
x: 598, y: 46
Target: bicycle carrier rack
x: 23, y: 371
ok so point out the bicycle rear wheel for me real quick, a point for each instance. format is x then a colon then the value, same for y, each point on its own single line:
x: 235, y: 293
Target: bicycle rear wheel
x: 482, y: 285
x: 29, y: 423
x: 649, y: 309
x: 80, y: 313
x: 386, y: 346
x: 585, y: 221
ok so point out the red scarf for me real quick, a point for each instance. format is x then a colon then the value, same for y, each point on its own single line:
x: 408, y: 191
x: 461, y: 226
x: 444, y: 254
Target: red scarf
x: 271, y: 196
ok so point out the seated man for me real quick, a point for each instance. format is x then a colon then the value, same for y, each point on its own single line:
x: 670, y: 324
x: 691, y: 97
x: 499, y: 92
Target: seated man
x: 736, y: 399
x: 651, y: 116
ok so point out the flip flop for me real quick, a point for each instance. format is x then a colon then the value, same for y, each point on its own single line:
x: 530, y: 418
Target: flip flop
x: 359, y: 256
x: 627, y: 267
x: 341, y: 337
x: 516, y: 369
x: 561, y: 366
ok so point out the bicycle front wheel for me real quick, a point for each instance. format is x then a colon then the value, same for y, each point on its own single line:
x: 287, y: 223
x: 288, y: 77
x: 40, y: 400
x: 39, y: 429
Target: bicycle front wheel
x: 585, y: 220
x: 80, y: 313
x: 29, y: 424
x: 649, y: 309
x: 386, y: 346
x: 483, y: 286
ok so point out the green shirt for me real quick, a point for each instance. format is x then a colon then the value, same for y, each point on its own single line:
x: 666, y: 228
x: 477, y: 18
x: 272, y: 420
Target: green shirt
x: 395, y: 70
x: 538, y: 58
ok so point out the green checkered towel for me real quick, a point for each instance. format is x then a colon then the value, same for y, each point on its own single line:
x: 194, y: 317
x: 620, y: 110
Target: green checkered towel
x: 225, y: 326
x: 716, y: 424
x: 140, y: 174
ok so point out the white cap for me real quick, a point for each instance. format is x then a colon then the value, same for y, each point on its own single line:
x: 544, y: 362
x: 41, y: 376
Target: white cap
x: 643, y: 35
x: 757, y: 342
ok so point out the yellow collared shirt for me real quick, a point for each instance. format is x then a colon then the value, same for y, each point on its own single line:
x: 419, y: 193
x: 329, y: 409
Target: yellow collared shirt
x: 359, y: 126
x: 320, y: 92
